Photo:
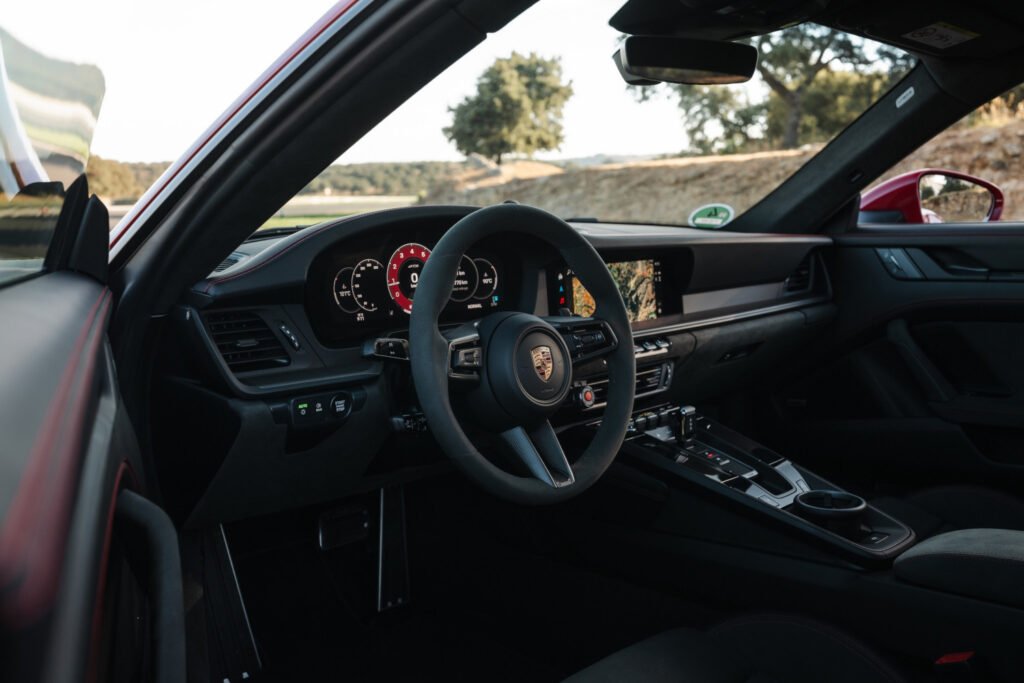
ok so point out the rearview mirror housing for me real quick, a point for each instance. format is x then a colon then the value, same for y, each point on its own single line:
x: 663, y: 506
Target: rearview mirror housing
x: 647, y: 60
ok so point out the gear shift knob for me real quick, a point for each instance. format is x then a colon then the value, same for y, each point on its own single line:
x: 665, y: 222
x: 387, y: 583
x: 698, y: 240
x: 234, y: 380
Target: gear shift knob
x: 687, y: 424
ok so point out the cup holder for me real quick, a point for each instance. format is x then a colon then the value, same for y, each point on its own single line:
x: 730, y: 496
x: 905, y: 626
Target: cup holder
x: 830, y: 505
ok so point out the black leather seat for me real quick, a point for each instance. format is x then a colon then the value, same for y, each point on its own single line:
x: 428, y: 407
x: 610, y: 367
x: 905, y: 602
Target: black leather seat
x: 758, y: 649
x: 951, y: 508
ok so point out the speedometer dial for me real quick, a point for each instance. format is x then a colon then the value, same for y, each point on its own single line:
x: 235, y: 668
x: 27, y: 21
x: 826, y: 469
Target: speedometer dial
x: 403, y: 276
x: 465, y: 281
x: 368, y: 285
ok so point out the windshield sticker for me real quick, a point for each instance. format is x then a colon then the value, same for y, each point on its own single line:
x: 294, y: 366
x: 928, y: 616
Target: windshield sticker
x: 940, y: 35
x: 712, y: 216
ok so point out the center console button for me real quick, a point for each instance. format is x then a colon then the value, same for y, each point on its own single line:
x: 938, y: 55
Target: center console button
x: 307, y: 411
x: 340, y: 405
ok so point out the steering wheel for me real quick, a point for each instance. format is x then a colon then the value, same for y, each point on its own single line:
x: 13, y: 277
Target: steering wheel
x: 517, y: 368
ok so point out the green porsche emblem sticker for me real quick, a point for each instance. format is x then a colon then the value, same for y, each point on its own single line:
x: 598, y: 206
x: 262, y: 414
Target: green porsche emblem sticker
x: 711, y: 216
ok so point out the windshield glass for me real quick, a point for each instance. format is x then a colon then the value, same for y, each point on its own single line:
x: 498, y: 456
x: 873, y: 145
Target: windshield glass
x: 121, y: 89
x: 543, y: 118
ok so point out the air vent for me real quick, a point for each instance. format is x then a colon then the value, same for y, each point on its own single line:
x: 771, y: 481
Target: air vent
x: 647, y: 382
x: 231, y: 260
x: 800, y: 280
x: 245, y: 341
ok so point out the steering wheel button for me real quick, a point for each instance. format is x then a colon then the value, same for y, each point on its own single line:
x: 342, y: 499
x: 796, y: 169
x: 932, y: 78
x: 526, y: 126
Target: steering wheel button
x: 468, y: 358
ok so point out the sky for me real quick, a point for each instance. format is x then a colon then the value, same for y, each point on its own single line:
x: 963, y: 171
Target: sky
x: 172, y: 67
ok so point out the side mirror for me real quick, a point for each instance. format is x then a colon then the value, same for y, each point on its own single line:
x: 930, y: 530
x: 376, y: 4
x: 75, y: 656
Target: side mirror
x: 647, y: 60
x: 932, y: 195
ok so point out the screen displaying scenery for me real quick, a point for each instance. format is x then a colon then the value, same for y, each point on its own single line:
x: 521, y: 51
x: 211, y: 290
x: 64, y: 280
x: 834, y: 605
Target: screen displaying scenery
x: 636, y: 281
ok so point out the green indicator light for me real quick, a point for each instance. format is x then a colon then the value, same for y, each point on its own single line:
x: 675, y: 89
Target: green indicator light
x: 303, y: 406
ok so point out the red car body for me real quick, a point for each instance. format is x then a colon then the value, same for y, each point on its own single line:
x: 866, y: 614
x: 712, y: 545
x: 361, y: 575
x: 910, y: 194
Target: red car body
x: 903, y: 194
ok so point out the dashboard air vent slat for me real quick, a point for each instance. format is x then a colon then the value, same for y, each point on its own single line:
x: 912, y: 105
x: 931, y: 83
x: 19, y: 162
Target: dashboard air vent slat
x: 245, y: 341
x: 231, y: 260
x: 800, y: 279
x: 647, y: 381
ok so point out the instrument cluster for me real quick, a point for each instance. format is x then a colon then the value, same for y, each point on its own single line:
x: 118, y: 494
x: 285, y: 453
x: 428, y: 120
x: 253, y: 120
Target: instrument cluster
x: 366, y: 287
x: 354, y: 289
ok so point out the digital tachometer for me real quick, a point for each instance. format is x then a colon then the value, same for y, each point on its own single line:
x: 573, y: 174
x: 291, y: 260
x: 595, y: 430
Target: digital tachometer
x: 404, y: 269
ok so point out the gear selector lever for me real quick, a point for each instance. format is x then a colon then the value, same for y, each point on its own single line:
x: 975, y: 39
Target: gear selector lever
x: 687, y: 425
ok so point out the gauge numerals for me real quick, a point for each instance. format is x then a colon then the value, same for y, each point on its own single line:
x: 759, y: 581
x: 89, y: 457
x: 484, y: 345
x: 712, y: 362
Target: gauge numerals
x: 362, y: 288
x: 404, y: 269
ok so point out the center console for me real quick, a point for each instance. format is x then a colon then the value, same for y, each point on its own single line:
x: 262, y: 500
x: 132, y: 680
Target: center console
x: 680, y: 442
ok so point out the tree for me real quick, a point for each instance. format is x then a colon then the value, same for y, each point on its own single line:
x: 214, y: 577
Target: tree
x: 790, y: 60
x: 809, y: 99
x: 719, y: 119
x: 112, y: 179
x: 517, y: 109
x: 828, y: 106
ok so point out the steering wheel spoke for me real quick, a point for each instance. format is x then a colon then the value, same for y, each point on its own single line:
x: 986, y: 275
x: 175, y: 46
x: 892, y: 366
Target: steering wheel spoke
x: 587, y: 338
x: 539, y: 449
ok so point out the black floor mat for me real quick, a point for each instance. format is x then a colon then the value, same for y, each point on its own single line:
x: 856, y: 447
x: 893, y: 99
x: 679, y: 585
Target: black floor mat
x: 483, y: 608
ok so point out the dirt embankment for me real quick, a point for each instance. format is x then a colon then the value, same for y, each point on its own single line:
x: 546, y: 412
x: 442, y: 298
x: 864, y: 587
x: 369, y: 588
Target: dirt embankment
x: 666, y: 190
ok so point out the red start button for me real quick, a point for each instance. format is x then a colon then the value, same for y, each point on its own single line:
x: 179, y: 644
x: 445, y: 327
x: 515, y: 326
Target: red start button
x: 585, y: 397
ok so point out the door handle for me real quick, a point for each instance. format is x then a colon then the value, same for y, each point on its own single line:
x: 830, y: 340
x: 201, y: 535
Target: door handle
x: 959, y: 264
x: 966, y: 271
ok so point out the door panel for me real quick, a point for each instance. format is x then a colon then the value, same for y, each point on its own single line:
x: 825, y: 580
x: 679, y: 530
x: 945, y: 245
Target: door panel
x: 928, y: 383
x: 52, y: 339
x: 67, y: 447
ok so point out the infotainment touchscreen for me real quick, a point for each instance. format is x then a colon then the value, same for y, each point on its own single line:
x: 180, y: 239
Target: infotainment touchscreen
x: 638, y: 282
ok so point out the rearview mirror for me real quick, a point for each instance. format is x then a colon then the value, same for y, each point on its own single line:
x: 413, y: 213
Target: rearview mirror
x: 933, y: 195
x: 646, y: 60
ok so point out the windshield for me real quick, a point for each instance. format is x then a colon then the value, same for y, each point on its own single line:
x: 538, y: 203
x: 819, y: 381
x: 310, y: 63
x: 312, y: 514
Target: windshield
x: 543, y: 118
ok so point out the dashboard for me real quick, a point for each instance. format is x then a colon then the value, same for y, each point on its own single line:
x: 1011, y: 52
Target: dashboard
x: 275, y: 354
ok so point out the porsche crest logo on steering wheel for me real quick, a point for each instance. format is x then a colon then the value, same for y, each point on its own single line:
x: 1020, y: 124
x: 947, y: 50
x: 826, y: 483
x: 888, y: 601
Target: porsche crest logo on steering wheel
x: 542, y: 361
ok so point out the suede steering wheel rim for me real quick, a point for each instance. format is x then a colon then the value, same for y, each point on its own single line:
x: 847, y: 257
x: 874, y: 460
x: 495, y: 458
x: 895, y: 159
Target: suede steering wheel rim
x: 516, y: 350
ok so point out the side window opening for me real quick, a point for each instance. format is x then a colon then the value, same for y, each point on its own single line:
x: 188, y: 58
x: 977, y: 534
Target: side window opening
x: 969, y: 173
